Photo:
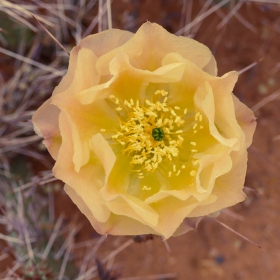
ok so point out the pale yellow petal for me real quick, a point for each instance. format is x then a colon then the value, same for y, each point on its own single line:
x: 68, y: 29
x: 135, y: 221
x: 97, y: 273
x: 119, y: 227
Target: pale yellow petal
x: 106, y: 41
x: 103, y: 152
x: 119, y: 201
x: 129, y: 82
x: 90, y: 178
x: 172, y: 212
x: 205, y: 100
x: 115, y: 225
x: 151, y: 43
x: 211, y: 67
x: 67, y: 80
x: 228, y: 187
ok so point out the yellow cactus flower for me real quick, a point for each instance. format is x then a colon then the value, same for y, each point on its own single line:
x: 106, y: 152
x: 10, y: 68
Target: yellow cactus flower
x: 144, y: 133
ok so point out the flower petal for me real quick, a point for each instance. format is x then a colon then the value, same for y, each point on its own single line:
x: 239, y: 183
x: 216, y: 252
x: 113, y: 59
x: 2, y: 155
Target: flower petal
x: 144, y: 55
x: 119, y: 201
x: 88, y: 180
x: 106, y: 41
x: 45, y: 122
x: 228, y: 187
x: 246, y: 119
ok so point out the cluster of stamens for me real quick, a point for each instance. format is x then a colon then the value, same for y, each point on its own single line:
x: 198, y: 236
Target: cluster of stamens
x: 153, y: 132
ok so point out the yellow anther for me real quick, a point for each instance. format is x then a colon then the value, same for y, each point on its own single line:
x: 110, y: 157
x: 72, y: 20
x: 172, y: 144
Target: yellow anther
x: 177, y: 119
x: 201, y: 127
x: 185, y: 111
x: 200, y: 118
x: 102, y: 129
x: 137, y: 139
x: 194, y: 151
x: 195, y: 125
x: 193, y: 143
x: 195, y: 131
x: 192, y: 173
x: 180, y: 137
x: 197, y: 116
x: 114, y: 98
x: 146, y: 188
x: 183, y: 166
x: 195, y: 162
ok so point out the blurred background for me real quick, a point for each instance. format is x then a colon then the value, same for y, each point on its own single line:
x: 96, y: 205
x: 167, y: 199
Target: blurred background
x: 42, y: 233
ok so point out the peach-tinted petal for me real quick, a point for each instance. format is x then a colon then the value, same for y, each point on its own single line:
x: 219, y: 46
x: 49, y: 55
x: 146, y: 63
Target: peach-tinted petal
x: 143, y: 54
x: 68, y: 78
x: 119, y: 201
x: 104, y: 152
x: 211, y: 67
x: 116, y: 225
x: 89, y: 179
x: 204, y: 99
x: 121, y: 69
x: 228, y: 187
x: 172, y: 213
x: 45, y: 122
x: 106, y: 41
x: 246, y: 119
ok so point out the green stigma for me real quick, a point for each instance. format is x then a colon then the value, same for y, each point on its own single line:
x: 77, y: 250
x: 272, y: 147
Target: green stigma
x: 158, y: 133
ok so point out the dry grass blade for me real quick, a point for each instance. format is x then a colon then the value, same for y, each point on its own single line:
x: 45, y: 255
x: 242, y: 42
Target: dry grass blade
x: 237, y: 233
x: 118, y: 250
x: 109, y: 13
x: 20, y: 19
x: 53, y: 236
x: 64, y: 263
x: 231, y: 14
x: 100, y: 15
x: 233, y: 215
x: 248, y: 67
x: 246, y: 23
x: 90, y: 256
x: 49, y: 33
x: 95, y: 21
x: 201, y: 17
x: 266, y: 100
x: 32, y: 62
x: 10, y: 239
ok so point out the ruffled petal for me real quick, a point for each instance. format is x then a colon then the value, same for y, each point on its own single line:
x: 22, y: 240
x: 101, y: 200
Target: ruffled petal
x: 45, y: 122
x: 151, y: 43
x: 90, y: 178
x: 246, y: 119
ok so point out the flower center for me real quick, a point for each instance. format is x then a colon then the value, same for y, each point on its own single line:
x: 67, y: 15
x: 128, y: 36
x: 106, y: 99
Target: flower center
x: 152, y: 132
x: 158, y: 133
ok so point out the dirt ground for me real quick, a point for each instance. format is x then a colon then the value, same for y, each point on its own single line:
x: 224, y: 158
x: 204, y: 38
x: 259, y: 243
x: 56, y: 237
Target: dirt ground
x: 214, y: 252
